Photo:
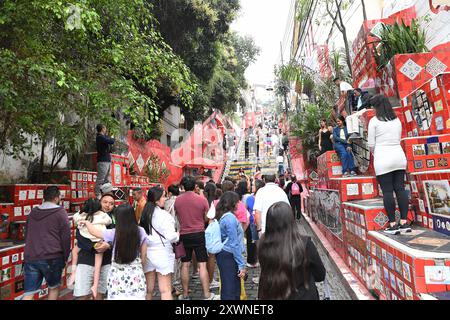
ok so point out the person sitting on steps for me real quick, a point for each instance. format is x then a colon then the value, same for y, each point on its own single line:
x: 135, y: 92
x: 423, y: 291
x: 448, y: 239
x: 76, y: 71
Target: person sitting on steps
x: 343, y: 147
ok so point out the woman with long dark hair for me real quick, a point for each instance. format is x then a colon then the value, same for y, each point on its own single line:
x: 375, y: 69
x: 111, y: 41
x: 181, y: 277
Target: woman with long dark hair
x: 290, y: 263
x: 384, y: 134
x: 230, y: 260
x: 325, y: 133
x: 343, y: 147
x: 126, y: 280
x: 160, y: 228
x: 210, y: 192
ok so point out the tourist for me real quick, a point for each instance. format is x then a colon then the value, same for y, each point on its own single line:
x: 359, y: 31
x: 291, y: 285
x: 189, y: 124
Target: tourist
x: 126, y: 280
x: 191, y: 210
x: 104, y: 144
x: 251, y: 234
x: 362, y: 99
x: 172, y: 193
x: 345, y: 91
x: 285, y: 142
x: 275, y: 142
x: 199, y: 187
x: 384, y: 135
x: 280, y: 163
x: 91, y: 212
x: 258, y: 174
x: 211, y: 195
x: 230, y: 260
x: 139, y: 202
x: 290, y: 263
x: 160, y: 228
x: 343, y: 148
x: 325, y: 132
x: 47, y: 245
x: 294, y: 190
x: 84, y: 273
x: 246, y: 143
x: 266, y: 196
x: 241, y: 212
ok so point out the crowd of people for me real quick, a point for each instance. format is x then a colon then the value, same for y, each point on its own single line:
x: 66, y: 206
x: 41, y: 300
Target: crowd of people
x: 165, y: 237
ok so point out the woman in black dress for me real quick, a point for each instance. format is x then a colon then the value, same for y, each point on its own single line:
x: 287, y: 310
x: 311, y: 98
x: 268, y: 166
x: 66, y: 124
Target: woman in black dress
x: 325, y: 132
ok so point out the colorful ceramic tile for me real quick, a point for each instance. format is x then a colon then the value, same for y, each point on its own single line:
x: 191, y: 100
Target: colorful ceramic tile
x: 408, y: 293
x: 386, y: 274
x: 419, y: 149
x: 406, y: 271
x: 352, y: 189
x: 431, y: 163
x: 22, y: 195
x: 367, y: 188
x: 15, y: 258
x: 6, y: 274
x: 17, y: 211
x: 439, y: 123
x: 40, y: 194
x: 434, y: 148
x: 421, y: 205
x: 442, y: 162
x: 414, y: 187
x: 384, y: 254
x: 390, y: 261
x: 393, y: 282
x: 398, y: 265
x: 418, y: 164
x: 32, y: 194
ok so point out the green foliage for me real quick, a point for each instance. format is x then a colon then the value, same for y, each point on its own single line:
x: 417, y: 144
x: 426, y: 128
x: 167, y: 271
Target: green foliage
x: 94, y: 59
x: 399, y: 39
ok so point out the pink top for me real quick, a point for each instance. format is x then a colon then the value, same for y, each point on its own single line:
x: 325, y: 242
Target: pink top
x: 241, y: 212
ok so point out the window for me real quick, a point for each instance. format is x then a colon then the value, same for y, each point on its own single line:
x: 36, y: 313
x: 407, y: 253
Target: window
x: 169, y: 140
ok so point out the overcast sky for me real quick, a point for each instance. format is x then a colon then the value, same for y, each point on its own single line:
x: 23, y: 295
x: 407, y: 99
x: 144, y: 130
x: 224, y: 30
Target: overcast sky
x: 265, y: 21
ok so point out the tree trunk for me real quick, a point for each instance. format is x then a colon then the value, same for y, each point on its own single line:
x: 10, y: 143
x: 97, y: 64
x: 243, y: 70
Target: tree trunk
x: 364, y: 10
x: 344, y: 34
x: 41, y: 162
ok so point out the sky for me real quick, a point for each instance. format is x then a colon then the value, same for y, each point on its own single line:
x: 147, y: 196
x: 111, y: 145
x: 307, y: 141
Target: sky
x: 265, y: 21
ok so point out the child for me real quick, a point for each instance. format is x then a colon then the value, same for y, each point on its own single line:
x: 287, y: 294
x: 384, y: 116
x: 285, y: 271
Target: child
x: 92, y: 213
x: 126, y: 280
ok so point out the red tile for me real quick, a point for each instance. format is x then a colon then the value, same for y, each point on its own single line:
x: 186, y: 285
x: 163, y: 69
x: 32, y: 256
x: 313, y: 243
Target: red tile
x: 420, y: 285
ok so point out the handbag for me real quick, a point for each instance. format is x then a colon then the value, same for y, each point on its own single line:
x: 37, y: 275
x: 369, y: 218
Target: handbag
x: 178, y: 247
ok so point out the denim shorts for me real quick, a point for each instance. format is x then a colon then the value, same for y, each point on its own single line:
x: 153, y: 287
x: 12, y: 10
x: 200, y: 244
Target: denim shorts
x: 35, y: 271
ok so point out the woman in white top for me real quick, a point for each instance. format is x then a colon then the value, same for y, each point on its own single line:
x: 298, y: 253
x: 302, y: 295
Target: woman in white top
x: 385, y: 131
x: 160, y: 228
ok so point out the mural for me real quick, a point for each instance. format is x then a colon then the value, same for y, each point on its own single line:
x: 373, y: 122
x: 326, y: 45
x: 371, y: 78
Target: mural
x: 326, y: 208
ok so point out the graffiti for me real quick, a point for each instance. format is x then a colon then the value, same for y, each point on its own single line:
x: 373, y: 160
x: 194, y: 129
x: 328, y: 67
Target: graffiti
x: 326, y: 208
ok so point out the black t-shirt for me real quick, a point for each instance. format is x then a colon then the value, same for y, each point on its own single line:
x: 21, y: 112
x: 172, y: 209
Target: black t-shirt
x: 87, y: 256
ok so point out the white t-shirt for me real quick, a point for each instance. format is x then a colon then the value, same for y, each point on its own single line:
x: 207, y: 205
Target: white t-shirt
x: 164, y: 223
x: 280, y: 159
x: 345, y: 86
x: 384, y: 137
x: 265, y: 198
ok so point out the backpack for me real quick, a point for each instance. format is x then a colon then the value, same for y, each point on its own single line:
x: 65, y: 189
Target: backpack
x: 213, y: 236
x: 295, y: 189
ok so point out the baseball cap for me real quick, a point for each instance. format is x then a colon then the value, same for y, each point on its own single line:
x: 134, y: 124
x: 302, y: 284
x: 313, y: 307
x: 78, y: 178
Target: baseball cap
x: 106, y: 188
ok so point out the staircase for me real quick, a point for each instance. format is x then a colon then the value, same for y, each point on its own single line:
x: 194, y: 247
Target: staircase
x: 267, y: 163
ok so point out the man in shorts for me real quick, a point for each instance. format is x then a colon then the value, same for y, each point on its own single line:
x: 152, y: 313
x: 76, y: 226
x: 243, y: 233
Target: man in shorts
x: 47, y: 245
x: 191, y: 210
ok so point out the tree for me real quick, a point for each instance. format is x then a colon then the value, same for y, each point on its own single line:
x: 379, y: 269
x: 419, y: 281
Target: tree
x: 339, y: 23
x: 94, y: 60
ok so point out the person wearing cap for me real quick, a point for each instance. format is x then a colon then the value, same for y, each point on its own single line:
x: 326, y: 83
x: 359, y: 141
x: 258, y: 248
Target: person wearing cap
x: 106, y: 188
x: 139, y: 202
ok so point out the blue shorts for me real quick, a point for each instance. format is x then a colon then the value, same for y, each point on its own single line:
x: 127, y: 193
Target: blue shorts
x: 35, y: 271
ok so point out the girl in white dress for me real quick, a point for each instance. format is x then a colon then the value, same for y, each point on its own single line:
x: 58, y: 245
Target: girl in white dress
x: 160, y: 228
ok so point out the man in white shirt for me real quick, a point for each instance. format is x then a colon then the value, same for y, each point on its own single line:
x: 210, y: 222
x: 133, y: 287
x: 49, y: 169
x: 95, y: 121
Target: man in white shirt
x: 280, y: 162
x: 265, y: 198
x: 352, y: 120
x: 344, y: 87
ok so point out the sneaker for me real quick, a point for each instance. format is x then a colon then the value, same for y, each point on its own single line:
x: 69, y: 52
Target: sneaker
x: 405, y: 228
x: 392, y: 230
x: 252, y: 266
x: 255, y: 280
x: 181, y: 297
x: 212, y: 296
x: 353, y: 174
x: 214, y: 284
x: 345, y: 175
